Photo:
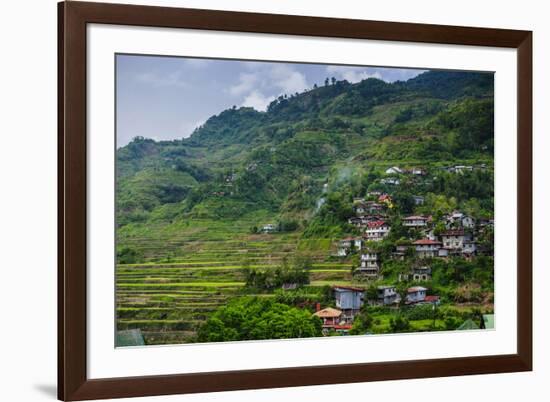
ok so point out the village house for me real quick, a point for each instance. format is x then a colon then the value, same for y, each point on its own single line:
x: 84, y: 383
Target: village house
x: 415, y: 221
x: 377, y: 230
x: 355, y: 221
x: 372, y: 217
x: 360, y: 207
x: 343, y: 329
x: 344, y: 246
x: 422, y: 273
x: 417, y: 171
x: 230, y: 178
x: 426, y: 248
x: 453, y: 239
x: 289, y: 286
x: 362, y: 221
x: 444, y: 252
x: 373, y: 193
x: 270, y: 227
x: 251, y: 166
x: 484, y: 222
x: 469, y: 248
x: 468, y: 222
x: 393, y: 181
x: 394, y: 170
x: 461, y: 169
x: 458, y: 219
x: 416, y: 294
x: 347, y: 242
x: 429, y: 233
x: 373, y: 207
x: 385, y: 198
x: 329, y: 316
x: 418, y: 200
x: 349, y: 300
x: 403, y: 277
x: 432, y: 300
x: 400, y: 251
x: 370, y: 264
x: 387, y: 295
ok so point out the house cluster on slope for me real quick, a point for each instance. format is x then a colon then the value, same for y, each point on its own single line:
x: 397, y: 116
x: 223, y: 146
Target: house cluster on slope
x: 457, y: 240
x: 349, y: 300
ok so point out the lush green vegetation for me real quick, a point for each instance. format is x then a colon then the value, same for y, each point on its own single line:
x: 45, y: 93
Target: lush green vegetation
x: 192, y: 251
x: 255, y: 318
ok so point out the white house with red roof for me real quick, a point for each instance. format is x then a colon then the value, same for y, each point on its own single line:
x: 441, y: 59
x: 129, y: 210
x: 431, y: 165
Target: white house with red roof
x: 329, y: 316
x: 415, y: 221
x: 377, y: 230
x: 426, y: 248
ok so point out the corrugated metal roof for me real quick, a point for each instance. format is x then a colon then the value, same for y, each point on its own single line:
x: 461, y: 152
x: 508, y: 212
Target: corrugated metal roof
x: 489, y: 321
x: 468, y: 324
x: 130, y: 337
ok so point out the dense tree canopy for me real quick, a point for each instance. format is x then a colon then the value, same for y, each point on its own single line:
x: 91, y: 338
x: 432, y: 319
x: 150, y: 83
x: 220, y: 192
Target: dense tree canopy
x: 251, y: 318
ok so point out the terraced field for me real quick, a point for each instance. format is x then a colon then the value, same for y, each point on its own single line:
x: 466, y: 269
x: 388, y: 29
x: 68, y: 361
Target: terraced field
x: 182, y: 280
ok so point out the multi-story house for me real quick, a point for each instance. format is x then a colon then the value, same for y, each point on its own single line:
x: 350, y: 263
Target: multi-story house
x: 415, y: 221
x: 387, y: 295
x: 349, y: 300
x: 377, y: 230
x: 426, y: 248
x: 422, y: 273
x: 416, y: 294
x: 454, y: 239
x: 370, y: 264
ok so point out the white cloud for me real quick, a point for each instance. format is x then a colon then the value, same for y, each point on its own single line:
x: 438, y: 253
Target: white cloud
x: 264, y: 82
x: 353, y: 74
x: 257, y: 100
x: 173, y: 79
x: 247, y: 82
x: 288, y: 79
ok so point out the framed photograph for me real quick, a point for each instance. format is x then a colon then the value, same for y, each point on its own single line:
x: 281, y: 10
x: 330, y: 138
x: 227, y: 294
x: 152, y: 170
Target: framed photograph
x: 254, y: 200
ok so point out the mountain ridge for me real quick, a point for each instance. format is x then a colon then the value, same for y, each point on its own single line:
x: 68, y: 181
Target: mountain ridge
x: 281, y: 158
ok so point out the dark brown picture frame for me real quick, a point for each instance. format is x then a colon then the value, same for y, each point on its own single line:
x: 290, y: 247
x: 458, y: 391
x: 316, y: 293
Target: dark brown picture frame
x: 73, y: 383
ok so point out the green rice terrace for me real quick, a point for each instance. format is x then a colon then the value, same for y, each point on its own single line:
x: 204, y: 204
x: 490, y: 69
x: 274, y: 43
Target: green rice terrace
x: 188, y: 271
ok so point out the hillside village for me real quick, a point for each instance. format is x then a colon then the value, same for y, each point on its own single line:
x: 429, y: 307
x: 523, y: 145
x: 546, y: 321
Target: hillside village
x: 449, y: 236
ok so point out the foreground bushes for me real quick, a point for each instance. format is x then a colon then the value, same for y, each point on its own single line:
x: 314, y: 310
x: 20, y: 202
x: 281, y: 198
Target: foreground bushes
x: 253, y: 318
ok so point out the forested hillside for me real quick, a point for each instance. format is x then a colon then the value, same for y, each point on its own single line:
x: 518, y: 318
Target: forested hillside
x: 279, y: 160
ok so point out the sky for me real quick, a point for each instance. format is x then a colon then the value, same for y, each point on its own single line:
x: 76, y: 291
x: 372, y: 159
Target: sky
x: 166, y: 98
